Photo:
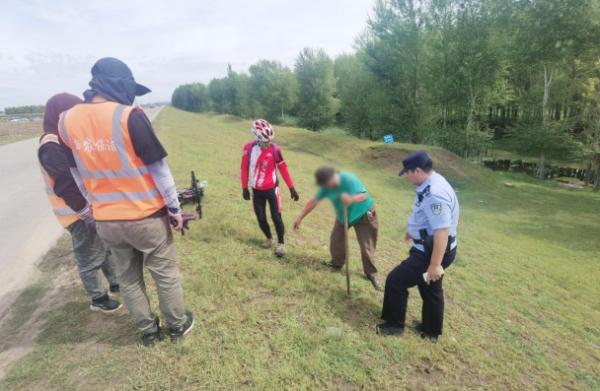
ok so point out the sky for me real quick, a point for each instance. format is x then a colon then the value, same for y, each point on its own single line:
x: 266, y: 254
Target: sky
x: 48, y: 47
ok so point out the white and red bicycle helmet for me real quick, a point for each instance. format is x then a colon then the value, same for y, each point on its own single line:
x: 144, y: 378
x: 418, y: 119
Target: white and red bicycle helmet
x: 263, y: 130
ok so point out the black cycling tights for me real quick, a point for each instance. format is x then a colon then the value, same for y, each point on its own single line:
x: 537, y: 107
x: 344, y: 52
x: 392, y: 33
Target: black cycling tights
x: 259, y: 200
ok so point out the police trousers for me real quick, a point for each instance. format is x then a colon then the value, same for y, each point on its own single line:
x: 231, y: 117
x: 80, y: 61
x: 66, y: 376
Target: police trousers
x: 408, y: 274
x: 146, y: 242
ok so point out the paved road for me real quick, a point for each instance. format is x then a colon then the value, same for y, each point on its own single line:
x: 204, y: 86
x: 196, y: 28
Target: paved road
x: 28, y: 228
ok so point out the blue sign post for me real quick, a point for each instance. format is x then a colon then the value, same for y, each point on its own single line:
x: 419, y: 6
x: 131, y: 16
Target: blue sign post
x: 388, y: 139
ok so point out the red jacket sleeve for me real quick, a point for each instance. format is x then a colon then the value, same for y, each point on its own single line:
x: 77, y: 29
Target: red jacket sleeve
x: 245, y: 166
x: 282, y: 167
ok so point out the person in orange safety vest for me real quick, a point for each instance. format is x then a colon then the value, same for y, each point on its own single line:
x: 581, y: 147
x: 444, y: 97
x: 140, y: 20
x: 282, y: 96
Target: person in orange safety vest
x: 72, y: 210
x: 120, y: 162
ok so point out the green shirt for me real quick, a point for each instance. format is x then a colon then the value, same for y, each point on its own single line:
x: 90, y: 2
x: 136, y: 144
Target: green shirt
x: 349, y: 184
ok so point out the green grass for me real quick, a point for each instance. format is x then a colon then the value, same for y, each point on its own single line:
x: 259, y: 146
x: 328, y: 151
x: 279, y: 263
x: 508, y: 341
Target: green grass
x: 522, y: 297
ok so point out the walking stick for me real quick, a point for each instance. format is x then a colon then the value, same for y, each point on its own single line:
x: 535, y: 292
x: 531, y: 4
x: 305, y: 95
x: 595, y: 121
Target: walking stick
x: 346, y: 250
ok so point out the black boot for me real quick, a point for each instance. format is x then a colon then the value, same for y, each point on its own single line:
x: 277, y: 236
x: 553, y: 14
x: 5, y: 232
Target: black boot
x: 387, y: 328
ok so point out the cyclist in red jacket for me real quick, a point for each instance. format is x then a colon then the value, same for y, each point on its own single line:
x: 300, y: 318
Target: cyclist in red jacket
x: 261, y: 160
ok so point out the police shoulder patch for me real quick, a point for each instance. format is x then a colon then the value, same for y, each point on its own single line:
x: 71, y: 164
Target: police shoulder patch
x: 436, y: 208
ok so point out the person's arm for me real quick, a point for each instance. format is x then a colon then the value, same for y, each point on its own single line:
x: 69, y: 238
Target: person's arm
x: 85, y: 214
x: 148, y: 148
x: 440, y: 242
x: 55, y: 163
x: 282, y: 167
x: 348, y: 199
x: 244, y: 172
x: 439, y: 216
x: 146, y: 144
x: 161, y: 174
x: 244, y: 168
x: 310, y: 205
x: 285, y: 174
x: 67, y: 151
x: 358, y: 193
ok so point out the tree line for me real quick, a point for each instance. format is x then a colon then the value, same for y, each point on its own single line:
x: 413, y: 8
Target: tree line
x: 521, y: 75
x: 32, y: 109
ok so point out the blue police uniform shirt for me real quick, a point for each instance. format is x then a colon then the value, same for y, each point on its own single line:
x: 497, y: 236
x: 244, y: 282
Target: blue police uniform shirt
x: 435, y: 207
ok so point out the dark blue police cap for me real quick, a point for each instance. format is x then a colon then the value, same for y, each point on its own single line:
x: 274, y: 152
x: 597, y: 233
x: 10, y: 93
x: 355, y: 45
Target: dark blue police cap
x: 418, y: 159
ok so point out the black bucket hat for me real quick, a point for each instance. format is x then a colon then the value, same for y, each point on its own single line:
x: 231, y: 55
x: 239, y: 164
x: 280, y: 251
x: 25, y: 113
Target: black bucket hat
x: 113, y: 79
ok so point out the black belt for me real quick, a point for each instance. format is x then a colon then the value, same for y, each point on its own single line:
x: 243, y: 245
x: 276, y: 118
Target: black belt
x: 427, y: 241
x: 451, y: 239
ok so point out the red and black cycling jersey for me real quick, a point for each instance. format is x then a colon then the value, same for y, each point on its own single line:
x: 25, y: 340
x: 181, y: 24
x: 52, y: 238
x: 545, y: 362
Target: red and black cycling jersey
x: 259, y: 167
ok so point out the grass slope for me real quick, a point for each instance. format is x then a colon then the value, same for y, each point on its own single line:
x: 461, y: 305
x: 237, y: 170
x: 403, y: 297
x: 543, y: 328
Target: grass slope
x: 522, y: 297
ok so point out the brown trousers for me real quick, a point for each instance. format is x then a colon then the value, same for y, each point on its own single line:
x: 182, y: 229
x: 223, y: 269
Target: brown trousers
x: 146, y: 242
x: 366, y: 234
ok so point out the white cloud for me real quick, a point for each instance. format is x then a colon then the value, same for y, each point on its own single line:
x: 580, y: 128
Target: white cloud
x: 50, y: 46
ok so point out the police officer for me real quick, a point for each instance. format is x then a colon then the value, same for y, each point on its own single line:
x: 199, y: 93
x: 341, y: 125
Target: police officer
x: 432, y: 230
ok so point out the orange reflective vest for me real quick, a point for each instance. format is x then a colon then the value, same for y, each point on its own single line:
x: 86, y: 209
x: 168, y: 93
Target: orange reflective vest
x: 118, y: 183
x: 65, y: 215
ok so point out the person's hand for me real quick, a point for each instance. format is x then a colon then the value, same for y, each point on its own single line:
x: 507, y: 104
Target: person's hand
x: 246, y: 194
x: 346, y: 199
x: 294, y: 194
x: 407, y: 238
x: 87, y: 215
x: 297, y: 223
x: 434, y: 273
x: 176, y: 221
x: 186, y: 218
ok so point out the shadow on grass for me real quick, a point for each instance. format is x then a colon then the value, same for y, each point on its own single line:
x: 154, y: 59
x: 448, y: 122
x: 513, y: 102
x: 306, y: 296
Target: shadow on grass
x: 74, y: 323
x: 55, y: 310
x: 359, y: 309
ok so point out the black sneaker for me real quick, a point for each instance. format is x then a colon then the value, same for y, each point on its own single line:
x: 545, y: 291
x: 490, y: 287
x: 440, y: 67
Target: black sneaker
x: 386, y: 329
x: 178, y: 332
x: 375, y: 282
x: 114, y: 288
x: 152, y: 337
x: 105, y: 304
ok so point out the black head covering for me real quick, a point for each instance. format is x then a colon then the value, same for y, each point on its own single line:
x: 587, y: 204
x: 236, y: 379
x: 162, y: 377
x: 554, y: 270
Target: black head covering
x: 56, y: 105
x: 113, y: 79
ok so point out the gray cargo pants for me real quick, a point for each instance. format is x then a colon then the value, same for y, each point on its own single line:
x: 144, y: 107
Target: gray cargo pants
x: 92, y: 256
x: 148, y: 241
